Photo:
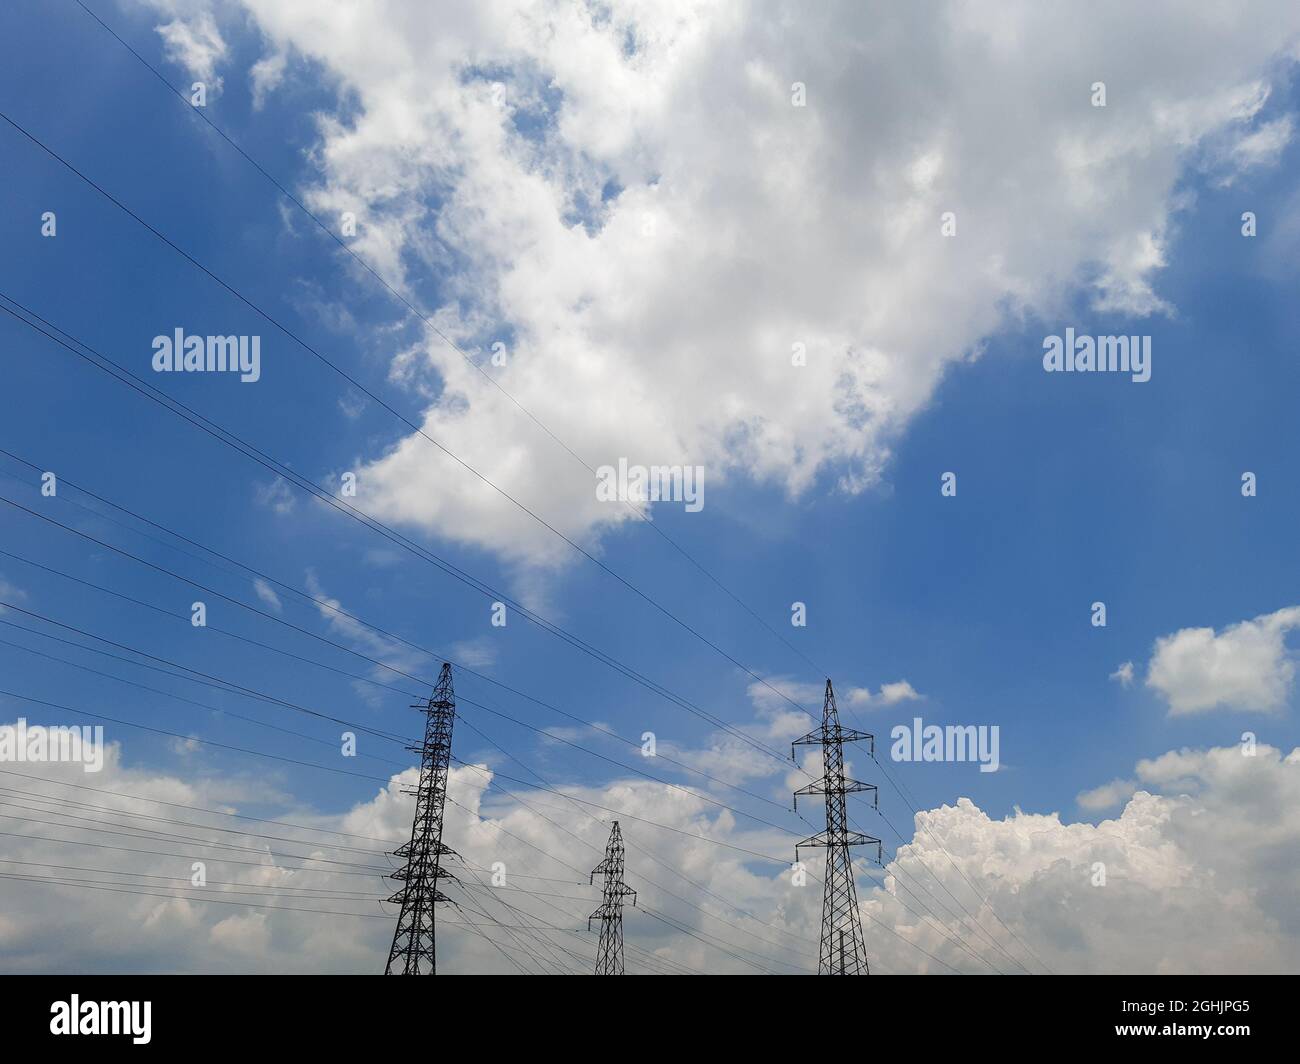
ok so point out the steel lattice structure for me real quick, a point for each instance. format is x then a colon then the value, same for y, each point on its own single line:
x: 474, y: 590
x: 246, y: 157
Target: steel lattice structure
x: 609, y: 957
x: 412, y: 952
x: 843, y: 949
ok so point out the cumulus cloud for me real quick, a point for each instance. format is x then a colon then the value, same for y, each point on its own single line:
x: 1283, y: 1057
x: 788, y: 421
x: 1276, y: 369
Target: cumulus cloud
x: 630, y: 202
x: 1158, y: 875
x: 1245, y: 666
x: 1124, y: 674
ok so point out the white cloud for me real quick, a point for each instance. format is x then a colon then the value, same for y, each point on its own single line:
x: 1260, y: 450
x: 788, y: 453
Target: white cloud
x: 266, y: 75
x: 474, y: 653
x: 1252, y: 149
x: 890, y: 694
x: 893, y: 693
x: 394, y: 663
x: 1246, y: 666
x: 277, y: 495
x: 267, y: 594
x: 195, y: 43
x: 652, y: 226
x: 1107, y: 796
x: 246, y: 934
x: 1124, y: 674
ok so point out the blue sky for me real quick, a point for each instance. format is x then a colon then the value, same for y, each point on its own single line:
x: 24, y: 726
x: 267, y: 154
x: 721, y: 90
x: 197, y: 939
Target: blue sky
x: 1071, y: 489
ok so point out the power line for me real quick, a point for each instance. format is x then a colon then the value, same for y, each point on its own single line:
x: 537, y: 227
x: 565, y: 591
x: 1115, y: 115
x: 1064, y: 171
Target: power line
x: 252, y: 693
x: 630, y: 768
x: 148, y: 834
x: 207, y: 680
x: 201, y: 705
x: 284, y: 888
x: 195, y: 808
x: 191, y: 738
x: 336, y: 609
x: 187, y: 897
x: 370, y: 874
x: 261, y: 613
x: 146, y: 390
x: 10, y: 793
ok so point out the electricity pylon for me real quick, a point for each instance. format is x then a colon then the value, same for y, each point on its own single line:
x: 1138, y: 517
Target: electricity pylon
x: 843, y: 949
x: 609, y: 958
x: 412, y: 952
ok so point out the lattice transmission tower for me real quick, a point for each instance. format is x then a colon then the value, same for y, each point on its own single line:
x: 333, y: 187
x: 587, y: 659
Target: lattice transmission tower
x: 609, y: 957
x: 412, y: 952
x: 843, y: 949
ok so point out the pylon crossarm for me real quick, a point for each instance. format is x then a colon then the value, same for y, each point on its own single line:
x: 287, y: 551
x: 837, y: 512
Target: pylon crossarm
x: 816, y: 787
x: 813, y: 738
x: 819, y: 839
x: 851, y: 735
x: 854, y: 787
x: 858, y: 838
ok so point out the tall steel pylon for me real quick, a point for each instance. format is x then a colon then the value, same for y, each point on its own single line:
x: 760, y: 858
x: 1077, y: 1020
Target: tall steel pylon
x: 843, y: 949
x: 609, y: 958
x: 412, y: 952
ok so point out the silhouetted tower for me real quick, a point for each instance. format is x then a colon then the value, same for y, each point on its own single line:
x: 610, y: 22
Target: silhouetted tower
x: 412, y: 952
x: 843, y: 950
x: 609, y: 958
